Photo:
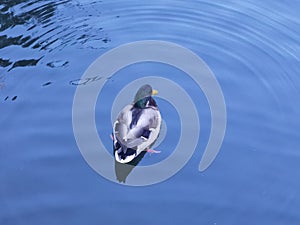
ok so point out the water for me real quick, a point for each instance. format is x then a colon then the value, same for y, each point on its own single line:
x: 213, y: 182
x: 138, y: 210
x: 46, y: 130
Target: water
x: 252, y: 47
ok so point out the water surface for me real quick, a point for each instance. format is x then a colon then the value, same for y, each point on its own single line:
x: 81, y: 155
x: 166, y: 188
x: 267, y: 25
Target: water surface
x: 252, y: 47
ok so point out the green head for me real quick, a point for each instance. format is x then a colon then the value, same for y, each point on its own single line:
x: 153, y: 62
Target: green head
x: 143, y: 94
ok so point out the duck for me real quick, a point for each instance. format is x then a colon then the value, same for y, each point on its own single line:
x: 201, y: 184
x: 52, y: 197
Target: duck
x: 137, y: 126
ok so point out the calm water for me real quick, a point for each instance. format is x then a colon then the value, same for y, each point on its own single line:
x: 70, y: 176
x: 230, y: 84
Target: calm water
x: 251, y: 46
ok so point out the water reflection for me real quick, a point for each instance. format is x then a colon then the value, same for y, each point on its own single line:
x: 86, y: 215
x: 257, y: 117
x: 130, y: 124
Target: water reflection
x: 24, y: 14
x: 25, y: 62
x: 45, y: 26
x: 11, y: 17
x: 58, y: 63
x: 4, y: 62
x: 47, y: 83
x: 12, y: 99
x: 123, y: 170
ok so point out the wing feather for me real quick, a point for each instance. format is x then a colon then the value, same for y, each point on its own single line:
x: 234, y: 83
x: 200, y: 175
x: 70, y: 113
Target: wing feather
x: 133, y: 135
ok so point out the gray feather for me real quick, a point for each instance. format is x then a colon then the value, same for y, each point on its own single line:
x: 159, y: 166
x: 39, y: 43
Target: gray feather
x: 130, y: 135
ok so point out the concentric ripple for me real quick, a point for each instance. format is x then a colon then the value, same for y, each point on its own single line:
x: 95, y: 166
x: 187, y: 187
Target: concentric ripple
x: 46, y: 26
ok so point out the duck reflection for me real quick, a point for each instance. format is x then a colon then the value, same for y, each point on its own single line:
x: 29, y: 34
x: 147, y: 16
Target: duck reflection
x: 122, y: 170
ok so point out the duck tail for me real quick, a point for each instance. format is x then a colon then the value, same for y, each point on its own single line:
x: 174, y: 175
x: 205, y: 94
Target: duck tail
x: 123, y: 149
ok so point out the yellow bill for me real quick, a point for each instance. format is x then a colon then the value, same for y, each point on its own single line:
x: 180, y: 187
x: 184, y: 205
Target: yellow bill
x: 154, y: 92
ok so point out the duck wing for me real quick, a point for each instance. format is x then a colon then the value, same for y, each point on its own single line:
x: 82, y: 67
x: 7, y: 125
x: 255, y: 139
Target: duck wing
x: 133, y: 127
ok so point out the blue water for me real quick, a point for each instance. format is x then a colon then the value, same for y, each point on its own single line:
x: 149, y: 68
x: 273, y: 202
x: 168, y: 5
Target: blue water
x: 252, y: 47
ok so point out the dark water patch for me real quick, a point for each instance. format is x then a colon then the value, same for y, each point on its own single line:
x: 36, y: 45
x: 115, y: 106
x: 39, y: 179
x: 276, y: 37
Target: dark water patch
x: 105, y: 40
x: 30, y: 3
x: 48, y: 44
x: 5, y: 62
x: 58, y: 63
x: 47, y: 84
x: 30, y: 42
x: 8, y: 41
x: 25, y: 62
x: 12, y: 99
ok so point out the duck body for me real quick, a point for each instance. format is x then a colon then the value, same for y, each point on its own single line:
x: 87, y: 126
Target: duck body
x: 136, y: 127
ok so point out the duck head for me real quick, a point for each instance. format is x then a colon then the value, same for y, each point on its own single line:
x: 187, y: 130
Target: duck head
x: 143, y: 96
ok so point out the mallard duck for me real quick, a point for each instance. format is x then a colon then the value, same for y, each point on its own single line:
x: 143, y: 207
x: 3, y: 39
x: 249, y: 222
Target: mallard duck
x: 137, y: 126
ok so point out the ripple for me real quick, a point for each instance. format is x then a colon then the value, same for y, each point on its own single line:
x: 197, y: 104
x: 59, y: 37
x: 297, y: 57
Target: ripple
x: 24, y: 63
x: 261, y: 42
x: 230, y: 31
x: 12, y: 99
x: 47, y: 84
x: 58, y: 63
x: 216, y: 30
x: 252, y: 47
x: 47, y: 26
x: 5, y: 62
